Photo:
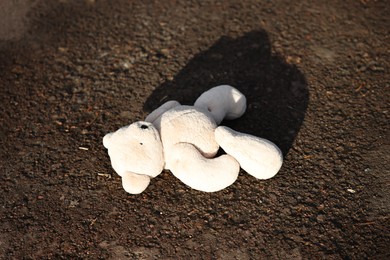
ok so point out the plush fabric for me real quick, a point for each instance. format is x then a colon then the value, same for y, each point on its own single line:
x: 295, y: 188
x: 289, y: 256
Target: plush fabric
x: 185, y: 140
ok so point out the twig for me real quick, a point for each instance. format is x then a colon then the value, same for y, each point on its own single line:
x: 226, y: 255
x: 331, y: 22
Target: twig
x: 372, y: 222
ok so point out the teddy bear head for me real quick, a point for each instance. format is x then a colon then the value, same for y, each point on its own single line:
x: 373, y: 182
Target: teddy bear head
x: 135, y: 150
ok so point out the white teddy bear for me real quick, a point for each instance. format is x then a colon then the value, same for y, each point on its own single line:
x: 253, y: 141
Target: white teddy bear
x: 185, y: 140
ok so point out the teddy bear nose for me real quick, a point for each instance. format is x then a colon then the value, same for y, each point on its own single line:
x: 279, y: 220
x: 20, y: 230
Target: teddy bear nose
x: 144, y: 127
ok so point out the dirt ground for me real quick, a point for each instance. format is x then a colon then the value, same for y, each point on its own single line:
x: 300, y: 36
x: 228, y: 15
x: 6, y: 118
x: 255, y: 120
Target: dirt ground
x: 316, y: 75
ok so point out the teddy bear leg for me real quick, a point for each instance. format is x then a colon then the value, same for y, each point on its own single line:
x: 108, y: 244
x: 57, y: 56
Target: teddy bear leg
x: 200, y: 173
x: 135, y: 183
x: 223, y: 102
x: 257, y: 156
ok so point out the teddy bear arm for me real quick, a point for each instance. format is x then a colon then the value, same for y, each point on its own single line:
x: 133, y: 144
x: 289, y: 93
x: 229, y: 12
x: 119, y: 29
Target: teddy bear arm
x: 152, y: 117
x: 200, y: 173
x: 135, y: 183
x: 257, y: 156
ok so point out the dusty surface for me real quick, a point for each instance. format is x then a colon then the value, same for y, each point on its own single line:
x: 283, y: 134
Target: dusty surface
x: 317, y: 81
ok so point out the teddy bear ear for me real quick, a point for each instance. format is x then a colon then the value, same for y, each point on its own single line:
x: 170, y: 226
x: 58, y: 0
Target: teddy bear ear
x: 106, y: 140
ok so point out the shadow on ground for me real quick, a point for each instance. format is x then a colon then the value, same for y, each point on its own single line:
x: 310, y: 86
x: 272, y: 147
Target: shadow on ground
x: 277, y: 92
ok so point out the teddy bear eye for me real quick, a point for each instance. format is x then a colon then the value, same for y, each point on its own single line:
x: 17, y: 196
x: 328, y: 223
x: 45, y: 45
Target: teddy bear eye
x: 144, y: 127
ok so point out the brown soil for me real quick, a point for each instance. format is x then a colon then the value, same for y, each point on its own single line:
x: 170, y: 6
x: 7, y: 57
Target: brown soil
x: 317, y: 80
